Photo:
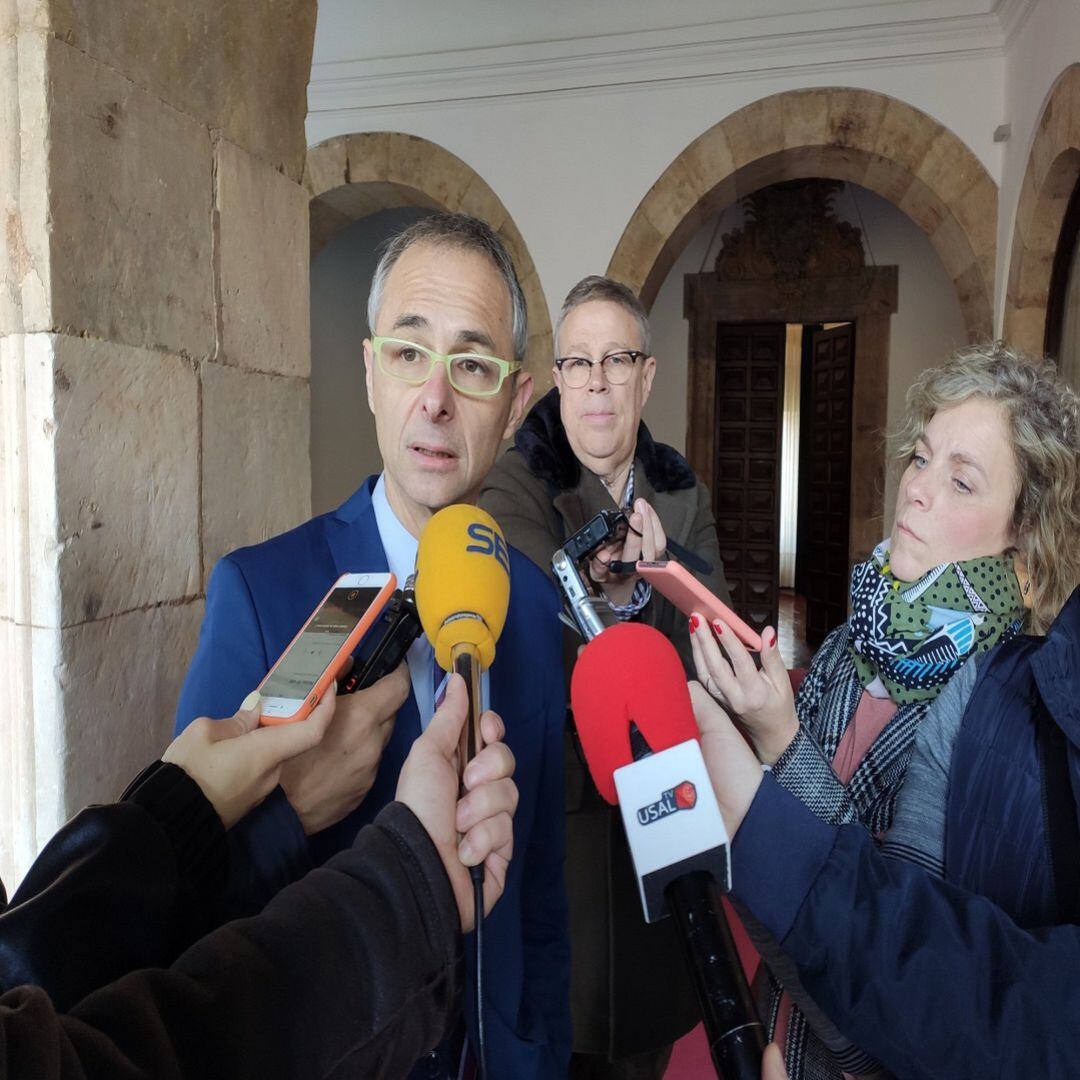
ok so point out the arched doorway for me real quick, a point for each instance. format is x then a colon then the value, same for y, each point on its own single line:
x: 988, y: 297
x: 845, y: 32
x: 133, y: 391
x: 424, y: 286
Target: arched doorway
x: 351, y: 176
x: 1051, y: 177
x: 867, y: 139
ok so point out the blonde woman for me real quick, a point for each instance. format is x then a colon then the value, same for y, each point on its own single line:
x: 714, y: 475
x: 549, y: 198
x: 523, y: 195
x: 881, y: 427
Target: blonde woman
x: 984, y: 545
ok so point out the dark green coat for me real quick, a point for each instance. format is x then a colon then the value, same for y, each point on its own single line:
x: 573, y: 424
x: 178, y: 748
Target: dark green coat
x: 629, y: 989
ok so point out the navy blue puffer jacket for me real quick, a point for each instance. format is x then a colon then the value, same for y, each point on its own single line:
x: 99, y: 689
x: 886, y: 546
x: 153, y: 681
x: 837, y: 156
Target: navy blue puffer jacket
x: 996, y: 837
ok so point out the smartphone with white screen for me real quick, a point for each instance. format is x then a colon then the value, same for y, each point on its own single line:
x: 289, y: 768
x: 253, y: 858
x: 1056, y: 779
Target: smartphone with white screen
x: 297, y: 682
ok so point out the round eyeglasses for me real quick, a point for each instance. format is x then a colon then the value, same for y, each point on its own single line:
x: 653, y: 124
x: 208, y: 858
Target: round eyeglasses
x: 616, y: 366
x: 469, y: 373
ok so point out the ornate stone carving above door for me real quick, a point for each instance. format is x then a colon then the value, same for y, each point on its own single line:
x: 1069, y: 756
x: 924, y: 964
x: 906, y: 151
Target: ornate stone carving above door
x: 791, y: 233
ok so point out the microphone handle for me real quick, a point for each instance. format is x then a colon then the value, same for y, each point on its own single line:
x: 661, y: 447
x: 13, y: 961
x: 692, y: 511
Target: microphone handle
x: 465, y: 658
x: 735, y: 1034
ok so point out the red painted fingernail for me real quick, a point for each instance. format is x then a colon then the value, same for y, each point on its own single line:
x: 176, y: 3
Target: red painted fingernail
x: 693, y: 624
x: 770, y: 638
x: 718, y: 628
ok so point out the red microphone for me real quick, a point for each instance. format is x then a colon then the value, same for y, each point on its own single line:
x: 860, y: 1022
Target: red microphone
x: 633, y: 714
x: 628, y: 675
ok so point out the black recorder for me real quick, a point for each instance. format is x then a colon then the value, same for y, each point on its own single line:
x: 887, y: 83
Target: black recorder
x: 392, y: 636
x: 591, y: 610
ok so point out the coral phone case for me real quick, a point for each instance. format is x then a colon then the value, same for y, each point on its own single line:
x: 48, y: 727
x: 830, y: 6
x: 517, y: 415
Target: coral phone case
x: 387, y: 585
x: 675, y: 582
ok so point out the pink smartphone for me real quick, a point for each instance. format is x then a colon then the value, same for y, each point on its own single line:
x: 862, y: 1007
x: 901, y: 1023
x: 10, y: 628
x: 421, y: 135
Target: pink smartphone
x: 674, y: 581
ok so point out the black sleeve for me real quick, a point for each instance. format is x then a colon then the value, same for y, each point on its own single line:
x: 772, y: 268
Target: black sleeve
x: 119, y: 887
x: 355, y: 971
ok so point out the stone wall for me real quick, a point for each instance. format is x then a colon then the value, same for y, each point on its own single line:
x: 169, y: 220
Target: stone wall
x: 154, y: 364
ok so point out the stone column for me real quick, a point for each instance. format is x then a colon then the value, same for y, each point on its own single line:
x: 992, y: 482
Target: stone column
x: 154, y: 362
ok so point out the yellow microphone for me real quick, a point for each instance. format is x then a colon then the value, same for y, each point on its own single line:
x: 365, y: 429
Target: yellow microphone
x: 462, y: 596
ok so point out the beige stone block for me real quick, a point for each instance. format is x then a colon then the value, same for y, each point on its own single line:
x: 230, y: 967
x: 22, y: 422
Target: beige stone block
x: 673, y: 197
x: 256, y: 458
x: 977, y: 213
x: 805, y: 118
x: 420, y: 164
x: 326, y: 166
x: 368, y: 155
x: 708, y: 159
x: 24, y: 214
x: 131, y: 187
x: 121, y: 678
x: 518, y: 249
x: 637, y: 251
x: 125, y: 434
x: 952, y: 246
x: 975, y: 302
x: 923, y: 206
x: 720, y: 197
x: 480, y: 201
x: 1033, y: 284
x: 887, y: 179
x: 1025, y: 328
x: 855, y: 118
x: 536, y: 304
x: 756, y: 130
x: 905, y: 135
x: 241, y: 68
x: 356, y: 200
x: 949, y: 168
x: 538, y: 361
x: 264, y: 257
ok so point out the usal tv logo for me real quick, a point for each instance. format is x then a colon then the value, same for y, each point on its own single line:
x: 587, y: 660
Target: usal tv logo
x: 681, y: 797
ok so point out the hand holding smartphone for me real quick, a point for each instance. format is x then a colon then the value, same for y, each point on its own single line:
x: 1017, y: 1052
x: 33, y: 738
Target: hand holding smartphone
x: 673, y: 581
x: 297, y: 682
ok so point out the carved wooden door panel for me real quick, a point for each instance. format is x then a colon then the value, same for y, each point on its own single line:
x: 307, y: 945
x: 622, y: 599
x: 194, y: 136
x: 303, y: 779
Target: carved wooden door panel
x: 826, y: 482
x: 746, y: 467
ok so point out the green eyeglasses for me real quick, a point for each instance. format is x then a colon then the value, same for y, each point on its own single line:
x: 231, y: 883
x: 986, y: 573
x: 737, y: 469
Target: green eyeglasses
x: 469, y: 373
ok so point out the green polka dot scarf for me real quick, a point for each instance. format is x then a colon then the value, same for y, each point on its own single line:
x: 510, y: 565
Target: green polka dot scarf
x: 915, y: 637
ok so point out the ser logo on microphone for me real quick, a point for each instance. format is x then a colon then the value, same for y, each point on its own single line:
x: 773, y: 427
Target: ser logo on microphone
x: 488, y: 542
x: 681, y: 797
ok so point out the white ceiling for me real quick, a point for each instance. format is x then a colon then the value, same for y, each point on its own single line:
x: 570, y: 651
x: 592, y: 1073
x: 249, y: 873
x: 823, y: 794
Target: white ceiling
x: 352, y: 30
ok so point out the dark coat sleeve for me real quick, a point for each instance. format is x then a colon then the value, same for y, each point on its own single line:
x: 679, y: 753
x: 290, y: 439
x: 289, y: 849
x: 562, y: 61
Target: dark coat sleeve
x: 931, y: 980
x: 269, y: 847
x: 522, y: 505
x: 353, y: 972
x: 119, y: 887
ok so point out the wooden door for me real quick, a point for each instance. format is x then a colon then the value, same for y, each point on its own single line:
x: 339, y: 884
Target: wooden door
x: 826, y: 479
x: 746, y: 466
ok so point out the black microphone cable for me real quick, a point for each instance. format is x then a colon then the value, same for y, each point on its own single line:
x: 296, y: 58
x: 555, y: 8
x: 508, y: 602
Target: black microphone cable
x: 477, y: 875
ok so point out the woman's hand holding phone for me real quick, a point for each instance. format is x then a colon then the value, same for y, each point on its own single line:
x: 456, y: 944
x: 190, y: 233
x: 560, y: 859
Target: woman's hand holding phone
x: 331, y: 780
x: 236, y: 763
x: 760, y: 698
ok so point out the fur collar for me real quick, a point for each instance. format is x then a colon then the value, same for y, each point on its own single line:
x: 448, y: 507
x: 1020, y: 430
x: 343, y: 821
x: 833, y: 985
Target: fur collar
x: 542, y: 441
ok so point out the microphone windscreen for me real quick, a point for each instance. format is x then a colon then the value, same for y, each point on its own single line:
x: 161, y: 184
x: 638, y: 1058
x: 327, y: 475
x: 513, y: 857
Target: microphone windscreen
x: 462, y: 582
x: 628, y: 673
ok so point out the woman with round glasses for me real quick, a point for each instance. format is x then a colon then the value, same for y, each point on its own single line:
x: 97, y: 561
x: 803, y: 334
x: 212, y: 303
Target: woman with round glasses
x: 583, y: 449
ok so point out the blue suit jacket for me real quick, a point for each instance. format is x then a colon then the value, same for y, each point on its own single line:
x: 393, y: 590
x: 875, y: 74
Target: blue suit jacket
x: 257, y: 598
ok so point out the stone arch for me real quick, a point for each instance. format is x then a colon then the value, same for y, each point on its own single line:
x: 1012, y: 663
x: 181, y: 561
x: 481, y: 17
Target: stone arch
x: 350, y: 176
x: 1053, y: 169
x: 860, y: 136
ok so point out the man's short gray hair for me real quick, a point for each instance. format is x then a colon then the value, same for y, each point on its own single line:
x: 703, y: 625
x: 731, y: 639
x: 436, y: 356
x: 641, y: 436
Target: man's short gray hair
x: 595, y: 287
x: 467, y: 234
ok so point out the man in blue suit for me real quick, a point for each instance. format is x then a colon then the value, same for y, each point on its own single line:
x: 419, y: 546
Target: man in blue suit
x: 445, y: 308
